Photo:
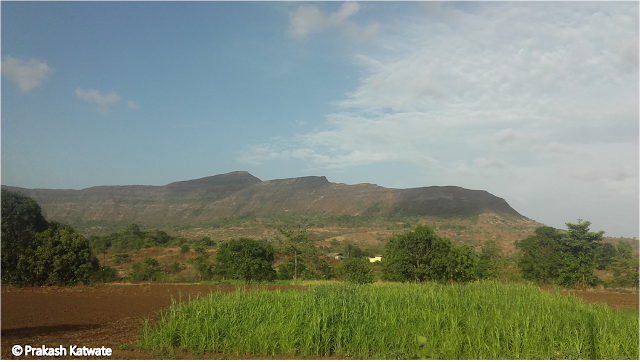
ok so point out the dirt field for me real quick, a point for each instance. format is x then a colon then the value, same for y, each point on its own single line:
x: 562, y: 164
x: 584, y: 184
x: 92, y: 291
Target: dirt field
x: 110, y: 315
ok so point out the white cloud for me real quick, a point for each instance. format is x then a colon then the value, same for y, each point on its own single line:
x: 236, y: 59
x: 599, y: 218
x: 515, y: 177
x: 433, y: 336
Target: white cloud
x: 305, y: 20
x: 133, y: 105
x: 93, y: 96
x: 510, y: 97
x: 27, y: 75
x: 308, y: 19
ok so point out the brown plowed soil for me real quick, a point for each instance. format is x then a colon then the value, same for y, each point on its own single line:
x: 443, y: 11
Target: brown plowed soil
x: 110, y: 315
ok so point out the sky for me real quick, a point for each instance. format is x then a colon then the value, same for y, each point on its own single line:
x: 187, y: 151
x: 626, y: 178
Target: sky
x: 534, y: 102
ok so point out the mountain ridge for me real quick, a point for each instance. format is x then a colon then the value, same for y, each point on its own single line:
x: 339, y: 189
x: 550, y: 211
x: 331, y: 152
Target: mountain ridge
x: 239, y: 194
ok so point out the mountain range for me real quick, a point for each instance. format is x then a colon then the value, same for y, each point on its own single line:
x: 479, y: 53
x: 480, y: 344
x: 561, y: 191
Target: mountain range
x: 241, y: 195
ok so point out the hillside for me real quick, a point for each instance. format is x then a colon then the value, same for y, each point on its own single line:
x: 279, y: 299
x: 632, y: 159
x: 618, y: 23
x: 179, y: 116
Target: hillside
x: 206, y: 206
x: 241, y: 195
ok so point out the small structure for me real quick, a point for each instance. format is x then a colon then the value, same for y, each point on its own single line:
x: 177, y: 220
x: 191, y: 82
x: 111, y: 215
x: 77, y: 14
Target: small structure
x: 336, y: 256
x: 376, y: 258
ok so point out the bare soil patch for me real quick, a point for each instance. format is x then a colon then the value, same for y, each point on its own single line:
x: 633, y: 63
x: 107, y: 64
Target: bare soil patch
x: 613, y: 299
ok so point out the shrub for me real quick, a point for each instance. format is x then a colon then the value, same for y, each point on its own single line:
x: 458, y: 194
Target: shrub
x: 148, y: 270
x: 120, y: 258
x: 355, y: 270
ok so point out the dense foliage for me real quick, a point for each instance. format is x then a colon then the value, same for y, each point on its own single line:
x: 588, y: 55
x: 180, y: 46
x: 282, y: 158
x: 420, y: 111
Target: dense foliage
x: 245, y: 259
x: 422, y: 255
x: 569, y: 258
x: 356, y: 270
x: 21, y: 220
x: 37, y: 252
x: 149, y: 270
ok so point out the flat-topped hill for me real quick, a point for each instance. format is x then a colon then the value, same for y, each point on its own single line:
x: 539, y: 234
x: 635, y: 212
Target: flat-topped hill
x: 239, y: 195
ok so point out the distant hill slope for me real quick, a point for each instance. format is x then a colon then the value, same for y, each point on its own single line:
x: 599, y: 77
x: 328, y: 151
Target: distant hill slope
x: 241, y: 195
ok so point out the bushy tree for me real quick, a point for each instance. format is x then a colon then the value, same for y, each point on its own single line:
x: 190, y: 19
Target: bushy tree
x: 625, y: 272
x: 579, y: 250
x: 297, y: 245
x: 308, y: 269
x: 149, y: 270
x: 540, y: 255
x: 246, y: 259
x: 565, y: 258
x: 351, y: 250
x: 606, y: 252
x: 203, y: 266
x: 625, y: 250
x: 355, y: 270
x: 422, y: 255
x: 64, y: 256
x: 624, y: 267
x: 490, y: 260
x: 21, y: 220
x: 120, y: 258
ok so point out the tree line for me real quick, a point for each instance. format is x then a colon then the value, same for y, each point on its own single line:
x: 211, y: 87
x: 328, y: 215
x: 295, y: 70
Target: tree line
x: 37, y: 252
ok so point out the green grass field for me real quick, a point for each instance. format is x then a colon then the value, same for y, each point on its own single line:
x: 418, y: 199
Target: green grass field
x: 485, y: 320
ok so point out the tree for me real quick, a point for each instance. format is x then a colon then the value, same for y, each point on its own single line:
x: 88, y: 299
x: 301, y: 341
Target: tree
x: 625, y: 250
x: 147, y: 270
x: 246, y: 259
x: 490, y: 261
x: 201, y: 264
x: 21, y: 220
x: 421, y: 255
x: 352, y: 250
x: 606, y: 252
x: 540, y: 255
x: 296, y: 244
x: 356, y: 270
x: 579, y: 251
x: 60, y: 256
x: 310, y: 269
x: 625, y: 271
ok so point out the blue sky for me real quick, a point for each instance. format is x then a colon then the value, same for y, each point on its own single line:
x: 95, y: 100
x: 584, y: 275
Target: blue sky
x: 536, y: 103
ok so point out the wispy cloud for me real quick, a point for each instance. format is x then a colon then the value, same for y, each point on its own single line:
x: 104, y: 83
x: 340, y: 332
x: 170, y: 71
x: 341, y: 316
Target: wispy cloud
x: 308, y: 19
x: 26, y: 74
x: 133, y: 105
x: 93, y: 96
x: 503, y: 88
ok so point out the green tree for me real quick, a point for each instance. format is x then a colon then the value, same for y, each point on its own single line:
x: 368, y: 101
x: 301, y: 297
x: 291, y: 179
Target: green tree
x: 490, y: 260
x: 148, y: 270
x: 308, y: 269
x: 579, y: 251
x: 177, y: 267
x: 540, y: 255
x: 355, y: 270
x: 296, y: 244
x: 606, y: 252
x: 422, y: 255
x: 352, y: 250
x: 21, y: 220
x: 203, y: 266
x: 62, y: 257
x: 625, y: 250
x: 625, y: 271
x: 287, y: 269
x: 184, y: 248
x: 246, y: 259
x: 120, y: 258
